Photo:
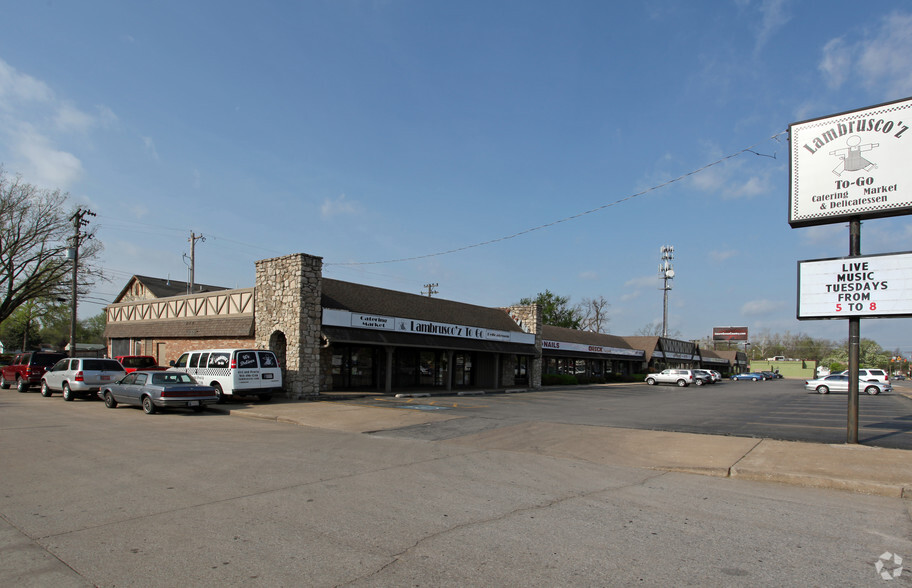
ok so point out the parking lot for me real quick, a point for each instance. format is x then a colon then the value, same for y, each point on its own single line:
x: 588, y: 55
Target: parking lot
x: 775, y: 409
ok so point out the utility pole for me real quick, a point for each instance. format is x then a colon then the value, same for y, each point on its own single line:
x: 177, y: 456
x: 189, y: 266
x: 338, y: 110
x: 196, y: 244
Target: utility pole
x: 667, y: 272
x: 193, y: 239
x: 79, y: 221
x: 431, y: 289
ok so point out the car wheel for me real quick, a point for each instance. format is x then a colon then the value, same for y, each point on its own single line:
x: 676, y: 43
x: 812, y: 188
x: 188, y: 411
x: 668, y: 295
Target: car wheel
x: 754, y: 379
x: 682, y: 383
x: 109, y: 400
x: 823, y: 390
x: 650, y: 381
x: 219, y: 394
x: 22, y: 386
x: 67, y: 393
x: 872, y: 390
x: 45, y: 391
x: 265, y: 397
x: 699, y: 382
x: 148, y: 406
x: 4, y: 384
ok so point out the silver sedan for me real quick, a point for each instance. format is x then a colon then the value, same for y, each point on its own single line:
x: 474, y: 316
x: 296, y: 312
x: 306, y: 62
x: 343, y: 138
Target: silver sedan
x: 840, y: 383
x: 153, y: 390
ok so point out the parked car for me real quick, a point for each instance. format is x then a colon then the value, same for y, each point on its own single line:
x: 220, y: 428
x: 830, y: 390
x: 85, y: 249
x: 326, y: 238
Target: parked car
x: 840, y: 383
x: 156, y: 389
x: 753, y: 376
x: 869, y: 375
x: 27, y: 368
x: 899, y: 377
x: 234, y: 372
x: 771, y: 375
x: 132, y: 363
x: 80, y: 376
x: 703, y: 377
x: 679, y: 377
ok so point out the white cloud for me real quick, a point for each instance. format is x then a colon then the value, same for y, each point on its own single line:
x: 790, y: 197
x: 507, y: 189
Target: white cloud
x: 824, y: 234
x: 71, y: 119
x: 773, y: 17
x: 338, y: 206
x: 16, y: 87
x: 733, y: 179
x: 150, y: 147
x: 643, y: 282
x: 763, y: 307
x: 723, y: 255
x: 883, y: 59
x: 589, y: 275
x: 42, y: 163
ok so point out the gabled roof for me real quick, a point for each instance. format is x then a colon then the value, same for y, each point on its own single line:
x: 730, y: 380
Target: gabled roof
x: 371, y: 300
x: 163, y: 288
x: 648, y: 344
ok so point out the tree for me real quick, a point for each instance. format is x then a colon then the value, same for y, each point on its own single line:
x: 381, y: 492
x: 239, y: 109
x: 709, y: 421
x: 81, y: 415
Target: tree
x: 655, y: 330
x: 555, y: 309
x: 593, y: 313
x: 35, y: 233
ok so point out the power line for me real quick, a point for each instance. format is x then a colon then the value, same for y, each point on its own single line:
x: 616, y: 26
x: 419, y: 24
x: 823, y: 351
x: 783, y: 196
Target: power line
x: 575, y: 216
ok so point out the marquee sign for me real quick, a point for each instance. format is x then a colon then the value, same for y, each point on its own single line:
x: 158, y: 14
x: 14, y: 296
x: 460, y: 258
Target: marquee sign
x: 854, y: 164
x: 869, y: 286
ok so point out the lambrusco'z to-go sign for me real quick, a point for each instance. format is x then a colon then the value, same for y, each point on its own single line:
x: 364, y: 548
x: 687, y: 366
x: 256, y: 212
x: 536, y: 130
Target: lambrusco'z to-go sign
x: 865, y: 286
x: 854, y: 164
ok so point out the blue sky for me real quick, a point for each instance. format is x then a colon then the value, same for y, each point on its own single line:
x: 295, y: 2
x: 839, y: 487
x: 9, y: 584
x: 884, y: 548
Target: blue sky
x: 376, y: 131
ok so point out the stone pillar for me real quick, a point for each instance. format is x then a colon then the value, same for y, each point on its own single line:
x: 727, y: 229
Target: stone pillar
x: 530, y: 319
x: 288, y: 301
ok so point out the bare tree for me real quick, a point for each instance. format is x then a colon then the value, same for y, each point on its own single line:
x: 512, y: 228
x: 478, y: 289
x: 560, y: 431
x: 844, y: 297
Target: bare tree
x: 35, y: 232
x: 593, y: 314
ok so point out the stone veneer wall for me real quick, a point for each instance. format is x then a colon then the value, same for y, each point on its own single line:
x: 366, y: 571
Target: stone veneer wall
x: 530, y: 319
x: 288, y: 301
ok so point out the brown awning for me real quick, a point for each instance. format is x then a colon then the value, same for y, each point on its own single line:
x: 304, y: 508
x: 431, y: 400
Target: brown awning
x: 395, y: 339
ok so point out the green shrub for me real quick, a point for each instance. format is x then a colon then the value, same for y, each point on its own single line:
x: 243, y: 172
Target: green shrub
x: 559, y: 380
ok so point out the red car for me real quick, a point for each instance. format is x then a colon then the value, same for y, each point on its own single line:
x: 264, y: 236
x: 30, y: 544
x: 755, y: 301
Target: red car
x: 132, y: 363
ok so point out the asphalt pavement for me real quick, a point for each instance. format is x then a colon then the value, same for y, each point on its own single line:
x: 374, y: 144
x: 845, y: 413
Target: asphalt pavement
x: 849, y: 467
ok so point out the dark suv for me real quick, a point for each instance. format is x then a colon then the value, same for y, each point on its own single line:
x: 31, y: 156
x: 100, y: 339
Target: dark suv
x: 27, y: 369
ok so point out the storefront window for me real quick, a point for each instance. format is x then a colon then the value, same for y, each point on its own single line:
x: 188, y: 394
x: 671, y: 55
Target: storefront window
x: 354, y: 367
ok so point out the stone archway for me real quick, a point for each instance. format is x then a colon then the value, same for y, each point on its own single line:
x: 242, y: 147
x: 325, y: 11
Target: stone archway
x: 278, y: 344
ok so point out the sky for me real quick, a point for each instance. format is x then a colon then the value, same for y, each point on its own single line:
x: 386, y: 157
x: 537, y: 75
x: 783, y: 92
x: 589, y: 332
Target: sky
x: 496, y: 149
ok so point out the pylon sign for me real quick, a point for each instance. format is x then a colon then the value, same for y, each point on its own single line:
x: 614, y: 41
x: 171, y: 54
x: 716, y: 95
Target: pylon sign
x: 851, y: 165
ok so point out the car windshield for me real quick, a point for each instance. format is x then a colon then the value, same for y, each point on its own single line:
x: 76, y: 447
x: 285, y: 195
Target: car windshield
x: 138, y: 362
x: 102, y: 365
x: 172, y: 378
x: 45, y: 359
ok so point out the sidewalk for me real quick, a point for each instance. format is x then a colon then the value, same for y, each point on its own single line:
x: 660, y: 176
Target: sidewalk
x: 855, y: 468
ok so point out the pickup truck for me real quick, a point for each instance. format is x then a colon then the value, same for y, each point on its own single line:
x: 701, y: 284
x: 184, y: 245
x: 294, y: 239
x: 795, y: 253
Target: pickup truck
x: 27, y: 369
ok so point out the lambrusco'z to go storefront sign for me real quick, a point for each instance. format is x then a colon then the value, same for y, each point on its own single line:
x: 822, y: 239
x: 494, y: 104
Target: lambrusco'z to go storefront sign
x: 853, y: 164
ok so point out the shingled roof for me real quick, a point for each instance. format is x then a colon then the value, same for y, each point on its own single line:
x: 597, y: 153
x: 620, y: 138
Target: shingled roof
x: 164, y: 288
x: 553, y: 333
x: 372, y: 300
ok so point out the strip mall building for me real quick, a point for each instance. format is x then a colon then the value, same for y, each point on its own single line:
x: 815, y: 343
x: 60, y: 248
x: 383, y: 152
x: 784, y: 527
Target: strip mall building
x: 335, y: 335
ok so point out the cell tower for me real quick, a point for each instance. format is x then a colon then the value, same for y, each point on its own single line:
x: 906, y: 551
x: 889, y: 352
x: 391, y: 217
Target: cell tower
x: 666, y: 271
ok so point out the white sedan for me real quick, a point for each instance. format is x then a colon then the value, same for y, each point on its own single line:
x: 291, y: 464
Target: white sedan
x: 840, y: 383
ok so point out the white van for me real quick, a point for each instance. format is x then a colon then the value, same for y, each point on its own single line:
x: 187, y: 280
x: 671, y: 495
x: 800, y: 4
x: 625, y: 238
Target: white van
x: 234, y: 372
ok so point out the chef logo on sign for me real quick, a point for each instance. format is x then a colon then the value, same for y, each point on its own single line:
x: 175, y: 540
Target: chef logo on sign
x: 850, y: 158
